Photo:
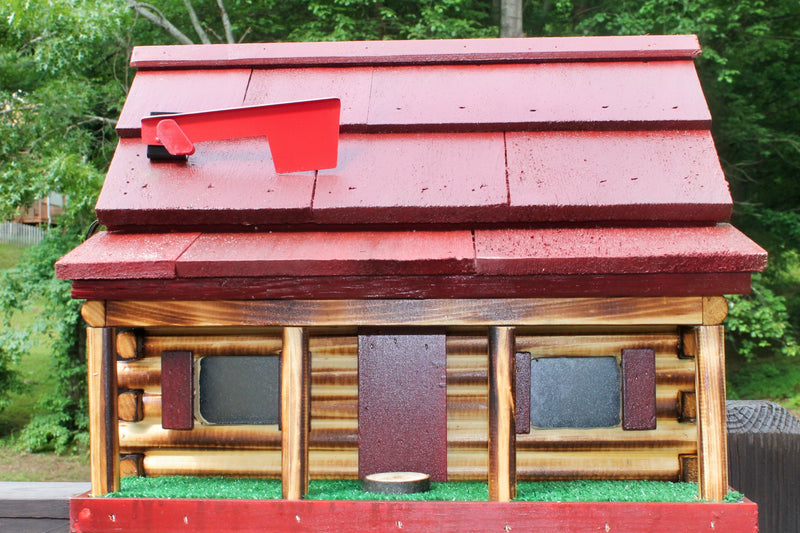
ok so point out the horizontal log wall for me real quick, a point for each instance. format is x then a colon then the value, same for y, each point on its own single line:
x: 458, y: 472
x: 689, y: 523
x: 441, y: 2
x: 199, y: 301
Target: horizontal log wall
x: 556, y: 453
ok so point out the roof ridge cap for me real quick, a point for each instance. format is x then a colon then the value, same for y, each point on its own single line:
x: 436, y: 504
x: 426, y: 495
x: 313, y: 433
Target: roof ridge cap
x: 417, y: 52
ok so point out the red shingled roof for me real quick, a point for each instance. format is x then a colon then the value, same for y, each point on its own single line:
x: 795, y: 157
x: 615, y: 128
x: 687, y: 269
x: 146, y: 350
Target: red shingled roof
x: 477, y: 168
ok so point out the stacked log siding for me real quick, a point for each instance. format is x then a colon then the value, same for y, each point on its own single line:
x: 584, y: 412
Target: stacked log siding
x: 608, y: 453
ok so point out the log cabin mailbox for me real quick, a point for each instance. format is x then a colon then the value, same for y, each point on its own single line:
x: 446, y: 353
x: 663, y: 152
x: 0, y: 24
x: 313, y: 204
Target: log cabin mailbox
x: 513, y: 271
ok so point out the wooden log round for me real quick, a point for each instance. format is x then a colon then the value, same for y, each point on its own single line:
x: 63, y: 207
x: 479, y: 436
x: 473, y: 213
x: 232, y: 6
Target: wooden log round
x: 94, y: 313
x: 131, y: 465
x: 129, y: 345
x: 715, y: 309
x: 397, y: 483
x: 130, y: 405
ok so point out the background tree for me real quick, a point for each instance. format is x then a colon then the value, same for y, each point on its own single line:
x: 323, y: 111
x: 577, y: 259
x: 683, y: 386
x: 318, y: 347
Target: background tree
x: 64, y: 76
x: 511, y: 18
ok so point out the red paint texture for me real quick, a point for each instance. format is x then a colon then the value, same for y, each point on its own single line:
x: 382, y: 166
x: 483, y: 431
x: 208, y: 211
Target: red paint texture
x: 119, y: 256
x: 402, y: 403
x: 586, y: 95
x: 619, y: 175
x: 428, y: 178
x: 102, y: 515
x: 413, y: 287
x: 638, y: 389
x: 544, y: 252
x: 720, y: 248
x: 350, y: 85
x: 328, y: 254
x: 177, y: 390
x: 228, y: 182
x: 417, y: 52
x: 180, y: 92
x: 413, y: 178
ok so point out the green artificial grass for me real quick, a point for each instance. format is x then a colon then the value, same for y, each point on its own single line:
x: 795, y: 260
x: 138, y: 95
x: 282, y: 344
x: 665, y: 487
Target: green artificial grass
x: 345, y: 489
x: 226, y: 488
x: 606, y: 491
x: 549, y: 491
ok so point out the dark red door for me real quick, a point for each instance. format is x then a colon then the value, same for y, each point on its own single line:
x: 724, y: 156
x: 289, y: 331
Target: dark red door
x: 402, y: 402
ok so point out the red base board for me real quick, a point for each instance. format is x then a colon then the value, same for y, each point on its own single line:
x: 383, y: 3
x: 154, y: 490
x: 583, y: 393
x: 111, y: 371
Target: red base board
x: 149, y: 515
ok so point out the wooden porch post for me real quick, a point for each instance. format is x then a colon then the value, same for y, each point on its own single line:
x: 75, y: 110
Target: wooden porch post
x: 295, y: 412
x: 103, y: 426
x: 502, y: 430
x: 712, y: 444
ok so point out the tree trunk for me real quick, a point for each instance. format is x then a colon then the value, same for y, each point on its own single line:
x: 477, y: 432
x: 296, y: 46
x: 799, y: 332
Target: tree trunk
x: 511, y: 18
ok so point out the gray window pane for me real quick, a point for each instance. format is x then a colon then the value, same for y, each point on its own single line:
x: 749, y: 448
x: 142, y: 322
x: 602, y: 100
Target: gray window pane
x: 240, y: 389
x: 575, y: 392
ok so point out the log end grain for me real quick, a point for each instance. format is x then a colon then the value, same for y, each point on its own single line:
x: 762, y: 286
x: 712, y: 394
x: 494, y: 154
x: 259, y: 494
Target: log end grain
x: 397, y: 482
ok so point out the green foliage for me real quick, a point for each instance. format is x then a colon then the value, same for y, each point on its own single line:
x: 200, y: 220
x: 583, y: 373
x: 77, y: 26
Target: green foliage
x: 58, y: 88
x: 759, y: 324
x: 55, y: 97
x: 763, y: 328
x: 340, y: 20
x: 776, y: 377
x: 26, y: 286
x: 59, y: 35
x: 9, y: 255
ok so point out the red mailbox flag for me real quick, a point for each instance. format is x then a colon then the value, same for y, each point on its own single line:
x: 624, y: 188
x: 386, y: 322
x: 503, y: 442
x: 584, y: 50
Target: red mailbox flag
x: 302, y: 135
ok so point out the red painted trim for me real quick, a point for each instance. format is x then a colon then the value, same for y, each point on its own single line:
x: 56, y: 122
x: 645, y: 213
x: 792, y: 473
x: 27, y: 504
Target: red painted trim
x: 200, y: 516
x: 175, y: 92
x: 318, y: 253
x: 113, y: 255
x: 414, y: 287
x: 177, y: 390
x: 418, y: 52
x: 638, y: 389
x: 541, y: 252
x: 720, y: 248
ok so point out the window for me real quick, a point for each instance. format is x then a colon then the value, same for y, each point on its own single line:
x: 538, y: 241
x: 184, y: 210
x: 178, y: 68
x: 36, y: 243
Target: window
x: 575, y: 392
x: 239, y: 389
